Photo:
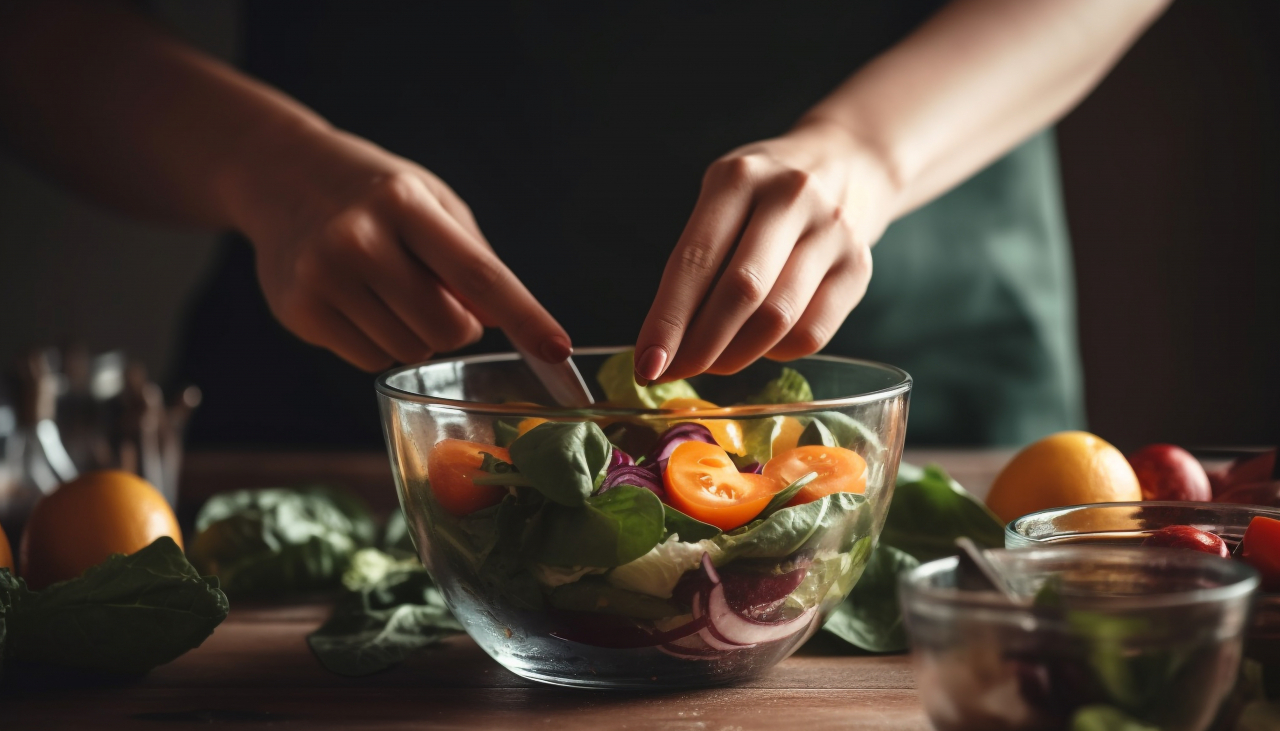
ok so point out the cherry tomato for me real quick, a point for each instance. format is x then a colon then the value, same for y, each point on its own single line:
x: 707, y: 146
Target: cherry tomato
x: 452, y: 465
x: 1261, y: 550
x: 788, y: 436
x: 526, y: 424
x: 703, y: 482
x: 726, y: 432
x: 839, y: 470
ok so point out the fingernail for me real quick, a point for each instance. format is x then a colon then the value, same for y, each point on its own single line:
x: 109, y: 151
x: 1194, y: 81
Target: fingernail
x: 555, y: 350
x: 650, y: 363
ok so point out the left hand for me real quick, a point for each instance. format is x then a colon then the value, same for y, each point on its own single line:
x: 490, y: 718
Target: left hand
x: 796, y: 217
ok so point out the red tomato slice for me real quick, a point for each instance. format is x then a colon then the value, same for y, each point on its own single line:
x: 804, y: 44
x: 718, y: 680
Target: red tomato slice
x: 839, y: 470
x: 1261, y: 550
x: 452, y: 465
x: 703, y: 482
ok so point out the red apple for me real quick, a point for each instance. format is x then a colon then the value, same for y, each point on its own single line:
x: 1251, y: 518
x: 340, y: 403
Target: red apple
x: 1192, y: 539
x: 1243, y: 471
x: 1166, y: 472
x: 1252, y: 493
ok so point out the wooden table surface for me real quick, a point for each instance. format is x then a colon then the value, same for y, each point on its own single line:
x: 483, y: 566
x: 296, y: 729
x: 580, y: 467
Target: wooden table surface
x: 256, y: 671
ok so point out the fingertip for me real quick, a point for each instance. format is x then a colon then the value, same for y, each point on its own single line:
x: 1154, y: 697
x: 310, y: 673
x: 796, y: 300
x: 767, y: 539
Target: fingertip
x: 555, y: 349
x: 650, y: 364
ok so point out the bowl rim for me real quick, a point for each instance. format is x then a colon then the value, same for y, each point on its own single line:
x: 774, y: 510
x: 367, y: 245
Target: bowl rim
x: 384, y: 388
x: 912, y: 590
x: 1015, y: 540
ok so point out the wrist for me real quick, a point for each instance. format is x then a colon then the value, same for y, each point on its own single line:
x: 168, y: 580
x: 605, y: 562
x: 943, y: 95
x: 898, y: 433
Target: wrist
x: 867, y: 173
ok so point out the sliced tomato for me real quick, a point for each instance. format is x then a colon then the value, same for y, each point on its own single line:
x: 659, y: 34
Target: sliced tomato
x: 1261, y: 550
x: 703, y: 482
x: 452, y: 465
x: 726, y: 432
x: 788, y: 436
x: 839, y: 470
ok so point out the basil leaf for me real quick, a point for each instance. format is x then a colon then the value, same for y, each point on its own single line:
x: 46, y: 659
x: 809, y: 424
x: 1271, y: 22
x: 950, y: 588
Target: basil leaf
x: 565, y: 461
x: 128, y: 614
x: 609, y: 529
x: 783, y: 496
x: 842, y: 515
x: 928, y: 514
x: 690, y: 530
x: 870, y: 618
x: 835, y: 429
x: 617, y: 378
x: 280, y: 540
x: 597, y: 596
x: 788, y: 388
x: 382, y: 624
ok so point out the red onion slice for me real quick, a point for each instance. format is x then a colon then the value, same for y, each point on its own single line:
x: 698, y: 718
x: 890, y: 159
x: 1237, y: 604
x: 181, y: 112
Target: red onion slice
x: 735, y: 628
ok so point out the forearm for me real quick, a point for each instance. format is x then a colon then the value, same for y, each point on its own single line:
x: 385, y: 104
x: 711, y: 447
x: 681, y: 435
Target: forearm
x: 111, y: 105
x: 974, y: 81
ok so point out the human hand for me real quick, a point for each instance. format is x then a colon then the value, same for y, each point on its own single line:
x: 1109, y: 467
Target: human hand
x: 373, y: 257
x: 795, y: 218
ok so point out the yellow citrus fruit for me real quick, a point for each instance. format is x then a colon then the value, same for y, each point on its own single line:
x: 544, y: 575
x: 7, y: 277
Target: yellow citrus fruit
x: 6, y: 555
x: 86, y: 520
x: 1067, y: 468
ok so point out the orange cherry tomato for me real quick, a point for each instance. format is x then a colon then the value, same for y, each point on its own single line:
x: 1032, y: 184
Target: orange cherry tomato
x: 839, y: 470
x: 526, y: 424
x: 726, y: 432
x: 788, y: 436
x: 452, y: 465
x: 1261, y: 550
x: 703, y: 482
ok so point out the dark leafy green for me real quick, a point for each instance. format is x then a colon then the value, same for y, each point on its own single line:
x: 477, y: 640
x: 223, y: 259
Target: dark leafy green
x: 504, y: 562
x: 783, y: 496
x: 280, y: 540
x: 690, y: 530
x: 565, y: 461
x: 617, y: 378
x: 835, y: 429
x: 788, y: 388
x: 930, y: 511
x: 500, y: 473
x: 609, y: 529
x: 126, y: 615
x: 757, y: 437
x: 843, y: 514
x: 598, y: 596
x: 380, y: 625
x: 1106, y: 718
x: 870, y: 618
x: 396, y: 538
x: 505, y: 432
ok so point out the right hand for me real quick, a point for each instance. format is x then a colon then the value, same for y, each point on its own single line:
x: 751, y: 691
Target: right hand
x: 373, y: 257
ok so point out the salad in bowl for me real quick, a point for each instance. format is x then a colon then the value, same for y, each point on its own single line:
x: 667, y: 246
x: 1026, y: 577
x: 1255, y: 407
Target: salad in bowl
x: 658, y: 539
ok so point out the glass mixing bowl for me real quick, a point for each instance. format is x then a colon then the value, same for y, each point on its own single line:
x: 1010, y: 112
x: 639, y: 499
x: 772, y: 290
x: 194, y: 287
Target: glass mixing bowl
x: 564, y: 582
x: 1155, y: 634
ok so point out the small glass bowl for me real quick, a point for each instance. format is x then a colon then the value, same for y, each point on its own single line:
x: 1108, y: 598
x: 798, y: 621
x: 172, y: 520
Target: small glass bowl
x: 1155, y: 633
x: 1130, y: 523
x: 588, y: 625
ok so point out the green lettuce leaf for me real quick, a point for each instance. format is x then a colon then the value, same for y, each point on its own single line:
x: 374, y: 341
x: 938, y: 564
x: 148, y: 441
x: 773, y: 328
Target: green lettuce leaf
x: 382, y: 624
x: 280, y: 540
x: 565, y: 461
x: 126, y: 615
x: 788, y: 388
x: 617, y: 378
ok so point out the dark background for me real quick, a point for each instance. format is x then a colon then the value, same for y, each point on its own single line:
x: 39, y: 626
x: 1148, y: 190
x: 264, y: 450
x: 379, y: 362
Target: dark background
x: 1171, y: 174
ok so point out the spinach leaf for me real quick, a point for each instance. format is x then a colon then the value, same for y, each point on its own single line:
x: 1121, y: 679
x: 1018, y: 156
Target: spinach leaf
x: 928, y: 514
x: 504, y: 565
x: 505, y: 432
x: 609, y: 529
x: 1106, y: 718
x: 280, y: 540
x: 783, y: 496
x: 500, y: 473
x: 870, y: 618
x: 843, y: 514
x: 125, y: 615
x: 597, y: 596
x: 689, y: 529
x: 757, y: 437
x: 788, y: 388
x: 835, y: 429
x: 381, y: 624
x: 565, y: 461
x: 617, y: 378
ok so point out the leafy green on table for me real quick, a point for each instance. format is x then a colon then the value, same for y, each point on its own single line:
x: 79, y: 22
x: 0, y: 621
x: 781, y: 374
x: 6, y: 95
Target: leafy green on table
x: 617, y: 378
x: 1106, y: 718
x: 930, y: 511
x: 280, y: 540
x: 382, y: 623
x: 871, y: 618
x: 788, y: 388
x: 126, y: 615
x: 565, y: 461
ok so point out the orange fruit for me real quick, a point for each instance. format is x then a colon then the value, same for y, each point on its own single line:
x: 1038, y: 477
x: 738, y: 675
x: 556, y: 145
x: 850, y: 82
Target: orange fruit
x: 1067, y: 468
x: 86, y: 520
x: 6, y: 555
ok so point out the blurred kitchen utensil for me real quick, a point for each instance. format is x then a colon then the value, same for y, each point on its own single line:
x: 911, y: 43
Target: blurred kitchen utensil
x: 562, y: 380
